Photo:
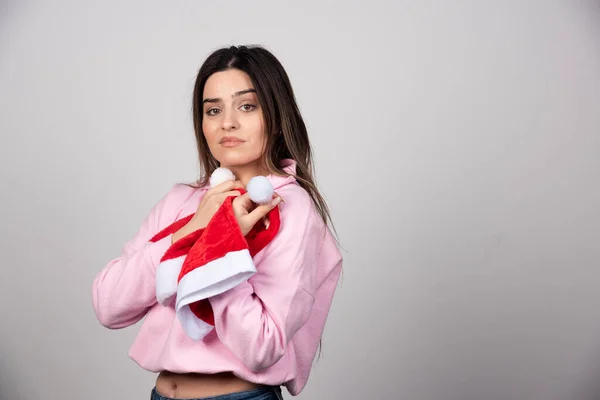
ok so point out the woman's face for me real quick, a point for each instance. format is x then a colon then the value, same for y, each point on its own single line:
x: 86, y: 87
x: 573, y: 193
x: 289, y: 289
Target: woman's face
x: 233, y: 120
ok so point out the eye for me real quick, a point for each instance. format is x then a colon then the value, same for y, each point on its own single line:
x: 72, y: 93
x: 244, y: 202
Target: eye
x: 248, y: 107
x: 212, y: 111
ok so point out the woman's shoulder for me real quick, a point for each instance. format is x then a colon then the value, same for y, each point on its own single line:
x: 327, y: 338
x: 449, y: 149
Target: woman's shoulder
x: 295, y: 193
x: 175, y: 198
x: 299, y: 211
x: 182, y: 191
x: 296, y: 200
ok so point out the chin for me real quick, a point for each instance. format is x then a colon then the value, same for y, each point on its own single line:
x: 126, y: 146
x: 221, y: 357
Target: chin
x: 236, y: 160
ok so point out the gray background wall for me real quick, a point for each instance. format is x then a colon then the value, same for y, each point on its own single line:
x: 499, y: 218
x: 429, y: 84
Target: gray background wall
x: 458, y: 144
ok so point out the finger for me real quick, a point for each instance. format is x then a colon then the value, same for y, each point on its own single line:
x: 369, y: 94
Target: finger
x: 226, y: 186
x: 245, y: 201
x: 225, y: 195
x: 262, y: 210
x: 229, y: 185
x: 278, y: 195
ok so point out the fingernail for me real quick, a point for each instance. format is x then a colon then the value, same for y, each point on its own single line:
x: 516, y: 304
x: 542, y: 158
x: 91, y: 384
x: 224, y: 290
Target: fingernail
x: 275, y: 201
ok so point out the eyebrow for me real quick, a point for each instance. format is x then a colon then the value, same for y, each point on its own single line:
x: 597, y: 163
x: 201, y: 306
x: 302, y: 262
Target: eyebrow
x: 241, y: 92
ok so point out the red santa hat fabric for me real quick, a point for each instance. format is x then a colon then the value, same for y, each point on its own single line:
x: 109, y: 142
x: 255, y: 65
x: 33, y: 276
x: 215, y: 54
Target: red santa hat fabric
x: 220, y: 259
x: 170, y: 264
x: 211, y: 260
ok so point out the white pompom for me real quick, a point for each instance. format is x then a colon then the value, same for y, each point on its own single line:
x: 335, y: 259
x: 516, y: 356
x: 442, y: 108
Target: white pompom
x: 260, y: 190
x: 221, y: 175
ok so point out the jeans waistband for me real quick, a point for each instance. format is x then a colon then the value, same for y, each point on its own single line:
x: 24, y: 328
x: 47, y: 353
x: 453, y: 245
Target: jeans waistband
x: 251, y: 394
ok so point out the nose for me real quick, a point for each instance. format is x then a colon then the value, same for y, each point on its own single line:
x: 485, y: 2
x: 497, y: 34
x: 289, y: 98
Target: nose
x: 229, y: 121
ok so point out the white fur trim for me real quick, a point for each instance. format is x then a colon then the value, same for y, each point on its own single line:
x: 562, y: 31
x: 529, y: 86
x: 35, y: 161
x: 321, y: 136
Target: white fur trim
x: 221, y: 175
x: 260, y: 189
x: 212, y: 279
x: 193, y: 326
x: 167, y: 273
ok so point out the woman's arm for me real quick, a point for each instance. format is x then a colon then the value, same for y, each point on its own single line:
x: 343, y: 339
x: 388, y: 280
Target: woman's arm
x: 257, y: 318
x: 125, y: 288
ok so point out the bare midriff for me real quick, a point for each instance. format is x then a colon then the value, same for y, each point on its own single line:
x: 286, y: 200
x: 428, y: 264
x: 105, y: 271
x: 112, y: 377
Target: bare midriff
x: 185, y: 386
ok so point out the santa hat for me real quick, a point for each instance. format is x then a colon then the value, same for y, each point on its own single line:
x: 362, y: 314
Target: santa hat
x: 170, y: 264
x: 214, y: 259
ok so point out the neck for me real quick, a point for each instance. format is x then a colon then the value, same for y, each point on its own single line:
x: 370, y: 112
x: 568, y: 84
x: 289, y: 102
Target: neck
x: 244, y: 173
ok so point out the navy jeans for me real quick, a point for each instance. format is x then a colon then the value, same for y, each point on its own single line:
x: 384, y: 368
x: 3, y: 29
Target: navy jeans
x: 262, y: 393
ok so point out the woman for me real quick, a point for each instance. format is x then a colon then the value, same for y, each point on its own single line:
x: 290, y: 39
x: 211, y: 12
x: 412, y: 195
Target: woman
x: 267, y: 329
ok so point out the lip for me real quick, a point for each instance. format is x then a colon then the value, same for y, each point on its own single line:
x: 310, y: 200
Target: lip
x: 230, y: 141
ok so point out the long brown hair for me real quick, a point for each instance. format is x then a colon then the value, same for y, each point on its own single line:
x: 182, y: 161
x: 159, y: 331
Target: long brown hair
x: 286, y: 133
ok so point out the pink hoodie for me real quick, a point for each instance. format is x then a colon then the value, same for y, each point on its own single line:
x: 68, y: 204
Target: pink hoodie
x: 267, y: 329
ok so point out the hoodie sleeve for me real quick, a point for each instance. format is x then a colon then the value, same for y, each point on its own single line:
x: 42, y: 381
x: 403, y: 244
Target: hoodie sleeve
x: 124, y: 290
x: 257, y: 318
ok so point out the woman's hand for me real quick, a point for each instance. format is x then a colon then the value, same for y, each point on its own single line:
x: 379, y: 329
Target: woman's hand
x: 210, y: 203
x: 248, y: 214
